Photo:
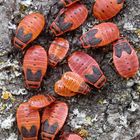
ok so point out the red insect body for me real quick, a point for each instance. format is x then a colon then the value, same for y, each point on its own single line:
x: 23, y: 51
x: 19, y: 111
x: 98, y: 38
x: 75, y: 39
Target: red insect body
x: 125, y: 58
x: 28, y: 30
x: 67, y: 3
x: 69, y: 19
x: 40, y: 101
x: 75, y: 83
x: 61, y: 90
x: 106, y: 9
x: 34, y: 66
x: 70, y: 136
x: 84, y: 65
x: 53, y: 120
x: 58, y: 51
x: 100, y: 35
x: 28, y: 122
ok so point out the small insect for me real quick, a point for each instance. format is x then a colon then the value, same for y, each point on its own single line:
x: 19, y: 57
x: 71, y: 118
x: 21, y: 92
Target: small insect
x: 69, y: 19
x: 61, y: 90
x: 40, y: 101
x: 28, y: 29
x: 106, y: 9
x: 28, y: 122
x: 100, y: 35
x: 57, y: 51
x: 34, y: 66
x: 84, y: 65
x: 125, y: 58
x: 67, y: 3
x: 75, y: 83
x: 70, y: 136
x: 53, y: 120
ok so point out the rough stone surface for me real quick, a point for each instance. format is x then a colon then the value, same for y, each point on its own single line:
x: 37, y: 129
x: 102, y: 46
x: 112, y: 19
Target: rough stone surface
x: 113, y: 113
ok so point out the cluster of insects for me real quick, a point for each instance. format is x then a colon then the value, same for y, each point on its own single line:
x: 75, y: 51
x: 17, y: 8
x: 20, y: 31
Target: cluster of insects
x: 52, y: 120
x: 85, y: 71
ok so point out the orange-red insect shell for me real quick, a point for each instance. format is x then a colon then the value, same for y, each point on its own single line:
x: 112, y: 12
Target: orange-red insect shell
x: 57, y: 51
x: 84, y: 65
x: 28, y: 122
x: 69, y: 19
x: 61, y: 90
x: 70, y: 136
x: 125, y: 58
x: 106, y: 9
x: 40, y: 101
x: 28, y: 29
x: 100, y: 35
x: 53, y: 120
x: 74, y: 82
x: 34, y: 66
x: 67, y: 3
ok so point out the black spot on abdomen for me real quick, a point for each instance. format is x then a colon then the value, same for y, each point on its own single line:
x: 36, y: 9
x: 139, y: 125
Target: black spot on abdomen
x: 64, y: 26
x: 50, y: 129
x: 120, y: 47
x: 33, y: 77
x: 90, y: 38
x: 127, y: 48
x: 93, y: 78
x: 29, y: 134
x: 23, y: 37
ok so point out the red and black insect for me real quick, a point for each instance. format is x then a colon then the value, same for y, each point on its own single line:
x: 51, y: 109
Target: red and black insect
x: 106, y: 9
x: 40, y: 101
x: 69, y: 19
x: 28, y: 122
x: 61, y: 90
x: 125, y: 58
x: 53, y: 120
x: 66, y: 3
x: 75, y: 83
x: 70, y: 136
x: 28, y: 29
x: 34, y: 66
x: 58, y: 51
x: 100, y: 35
x: 84, y: 65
